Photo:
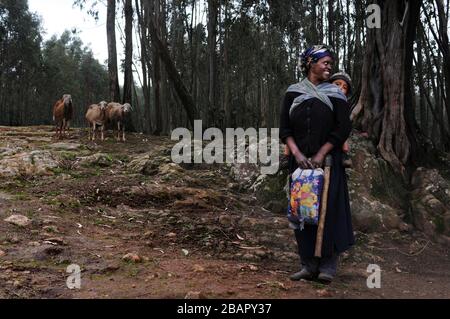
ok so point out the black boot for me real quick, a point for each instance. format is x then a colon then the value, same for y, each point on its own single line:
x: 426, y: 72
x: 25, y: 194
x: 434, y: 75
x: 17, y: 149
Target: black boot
x: 325, y: 278
x: 303, y: 274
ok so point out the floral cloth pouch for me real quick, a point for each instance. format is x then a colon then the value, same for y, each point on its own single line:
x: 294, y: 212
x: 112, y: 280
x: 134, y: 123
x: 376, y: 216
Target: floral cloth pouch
x: 305, y: 192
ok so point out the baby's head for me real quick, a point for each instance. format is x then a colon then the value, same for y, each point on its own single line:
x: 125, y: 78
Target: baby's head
x: 343, y: 81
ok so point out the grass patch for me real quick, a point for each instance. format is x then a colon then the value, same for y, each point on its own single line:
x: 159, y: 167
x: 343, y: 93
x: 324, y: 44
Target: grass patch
x: 59, y: 170
x: 101, y: 161
x: 131, y: 269
x: 103, y: 221
x: 66, y: 155
x: 71, y: 172
x: 98, y: 277
x: 64, y: 263
x: 318, y: 285
x: 97, y: 172
x: 53, y: 193
x: 78, y: 175
x: 38, y: 264
x: 121, y: 157
x: 30, y: 213
x: 361, y: 239
x: 71, y: 203
x: 16, y: 185
x: 21, y: 197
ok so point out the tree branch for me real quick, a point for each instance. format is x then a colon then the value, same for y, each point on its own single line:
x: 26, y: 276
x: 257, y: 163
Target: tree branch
x: 173, y: 74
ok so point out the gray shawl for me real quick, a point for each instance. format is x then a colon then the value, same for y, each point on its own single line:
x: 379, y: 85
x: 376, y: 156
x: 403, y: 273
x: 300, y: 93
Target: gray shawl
x: 308, y: 91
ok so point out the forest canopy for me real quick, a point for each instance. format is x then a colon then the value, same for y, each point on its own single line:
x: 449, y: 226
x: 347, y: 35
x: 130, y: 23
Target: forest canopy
x: 34, y: 73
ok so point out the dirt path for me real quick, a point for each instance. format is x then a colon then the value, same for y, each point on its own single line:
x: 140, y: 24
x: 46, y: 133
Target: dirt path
x: 193, y: 230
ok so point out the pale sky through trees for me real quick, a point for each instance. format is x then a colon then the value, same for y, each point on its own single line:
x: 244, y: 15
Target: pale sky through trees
x: 60, y: 15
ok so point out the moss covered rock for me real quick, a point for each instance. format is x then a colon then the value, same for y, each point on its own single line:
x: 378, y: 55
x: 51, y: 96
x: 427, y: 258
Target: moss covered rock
x: 32, y: 163
x: 430, y: 202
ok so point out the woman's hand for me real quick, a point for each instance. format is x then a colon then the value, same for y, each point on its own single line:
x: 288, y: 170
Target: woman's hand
x: 317, y: 160
x: 302, y: 161
x: 346, y: 147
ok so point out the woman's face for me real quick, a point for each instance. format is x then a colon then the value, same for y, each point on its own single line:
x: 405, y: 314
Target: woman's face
x: 321, y: 70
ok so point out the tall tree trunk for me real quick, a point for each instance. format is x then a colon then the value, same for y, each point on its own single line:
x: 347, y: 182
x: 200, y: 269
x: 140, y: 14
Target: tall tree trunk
x: 331, y: 21
x: 191, y: 35
x: 420, y: 77
x: 157, y: 69
x: 114, y: 91
x: 177, y: 32
x: 319, y: 21
x: 346, y: 34
x: 440, y: 101
x: 153, y: 21
x: 445, y: 49
x: 312, y: 36
x: 164, y: 101
x: 410, y: 32
x: 226, y: 68
x: 128, y: 74
x: 212, y: 33
x: 143, y: 15
x: 370, y: 101
x: 433, y: 105
x: 393, y: 44
x: 358, y: 48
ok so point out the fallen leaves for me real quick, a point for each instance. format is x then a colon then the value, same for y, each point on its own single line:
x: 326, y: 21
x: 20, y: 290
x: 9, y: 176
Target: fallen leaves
x: 198, y: 268
x: 248, y: 267
x: 324, y: 293
x: 272, y: 284
x: 194, y: 295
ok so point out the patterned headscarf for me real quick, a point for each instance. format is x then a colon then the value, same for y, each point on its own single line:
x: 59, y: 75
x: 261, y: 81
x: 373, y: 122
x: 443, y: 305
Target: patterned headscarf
x: 313, y: 54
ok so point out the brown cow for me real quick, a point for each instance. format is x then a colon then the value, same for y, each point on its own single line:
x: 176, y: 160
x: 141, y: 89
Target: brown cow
x: 62, y: 114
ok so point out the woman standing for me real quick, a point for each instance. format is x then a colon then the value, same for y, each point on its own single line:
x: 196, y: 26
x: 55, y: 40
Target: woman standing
x: 315, y: 123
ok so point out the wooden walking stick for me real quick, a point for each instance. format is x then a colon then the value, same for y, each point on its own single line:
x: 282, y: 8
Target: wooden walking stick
x: 323, y: 207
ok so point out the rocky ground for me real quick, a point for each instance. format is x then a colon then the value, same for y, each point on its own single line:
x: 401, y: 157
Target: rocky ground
x: 140, y: 226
